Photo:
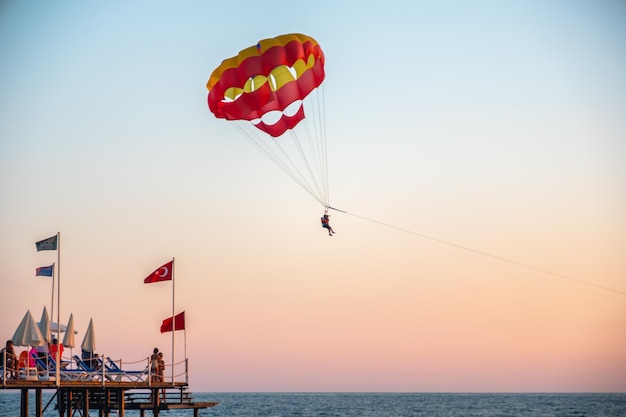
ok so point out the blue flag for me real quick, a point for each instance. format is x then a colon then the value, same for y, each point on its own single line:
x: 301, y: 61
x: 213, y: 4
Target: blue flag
x: 47, y: 244
x: 44, y: 271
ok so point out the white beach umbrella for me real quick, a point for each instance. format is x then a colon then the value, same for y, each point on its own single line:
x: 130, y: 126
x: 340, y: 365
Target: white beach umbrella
x: 68, y: 338
x: 54, y: 327
x: 89, y: 341
x: 44, y: 324
x: 28, y: 333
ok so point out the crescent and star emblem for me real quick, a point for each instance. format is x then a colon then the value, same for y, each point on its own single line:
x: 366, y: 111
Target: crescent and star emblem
x: 164, y: 273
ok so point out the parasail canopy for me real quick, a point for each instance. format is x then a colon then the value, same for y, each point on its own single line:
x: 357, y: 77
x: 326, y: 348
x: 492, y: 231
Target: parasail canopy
x: 268, y: 90
x: 266, y: 83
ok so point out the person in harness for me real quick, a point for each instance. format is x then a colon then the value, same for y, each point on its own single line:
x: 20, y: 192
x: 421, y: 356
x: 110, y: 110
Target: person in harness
x: 326, y: 223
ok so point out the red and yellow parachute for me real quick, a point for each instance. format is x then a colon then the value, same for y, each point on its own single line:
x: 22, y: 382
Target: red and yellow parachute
x: 266, y: 83
x: 268, y: 86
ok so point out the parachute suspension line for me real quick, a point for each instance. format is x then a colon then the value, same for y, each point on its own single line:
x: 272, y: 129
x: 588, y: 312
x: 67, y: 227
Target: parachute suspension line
x: 308, y: 141
x: 311, y: 170
x: 314, y: 155
x: 315, y: 128
x: 314, y: 179
x: 267, y: 146
x: 323, y: 144
x: 479, y: 252
x: 295, y: 171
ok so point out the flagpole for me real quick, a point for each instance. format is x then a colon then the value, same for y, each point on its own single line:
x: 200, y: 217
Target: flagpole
x: 173, y: 315
x: 58, y: 353
x: 51, y: 304
x: 51, y: 318
x: 185, y: 358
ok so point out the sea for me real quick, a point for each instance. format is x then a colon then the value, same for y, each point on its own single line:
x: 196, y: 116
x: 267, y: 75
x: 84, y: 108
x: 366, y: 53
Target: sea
x: 379, y: 405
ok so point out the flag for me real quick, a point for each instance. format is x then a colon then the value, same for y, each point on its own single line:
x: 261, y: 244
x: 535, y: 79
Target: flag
x: 45, y: 271
x: 163, y: 273
x: 179, y: 321
x: 47, y: 244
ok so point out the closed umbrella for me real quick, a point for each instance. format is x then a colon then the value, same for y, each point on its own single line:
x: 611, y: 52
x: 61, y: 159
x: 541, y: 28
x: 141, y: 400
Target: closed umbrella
x: 44, y: 324
x: 28, y: 333
x: 68, y: 338
x: 89, y: 341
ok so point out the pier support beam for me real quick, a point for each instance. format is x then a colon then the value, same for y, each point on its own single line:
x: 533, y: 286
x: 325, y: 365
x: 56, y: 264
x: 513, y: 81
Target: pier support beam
x: 121, y: 401
x: 24, y: 403
x: 69, y: 400
x: 155, y: 402
x: 60, y: 402
x: 86, y: 402
x: 38, y: 402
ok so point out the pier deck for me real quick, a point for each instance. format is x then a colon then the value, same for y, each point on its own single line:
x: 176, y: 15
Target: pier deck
x: 106, y: 397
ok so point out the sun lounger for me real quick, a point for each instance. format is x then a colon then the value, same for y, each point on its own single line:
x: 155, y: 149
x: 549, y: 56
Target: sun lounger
x: 92, y: 372
x: 119, y: 374
x: 49, y: 370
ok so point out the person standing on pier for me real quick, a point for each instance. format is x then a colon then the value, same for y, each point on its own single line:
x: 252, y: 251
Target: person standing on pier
x: 154, y: 365
x: 161, y: 367
x: 160, y: 373
x: 53, y: 347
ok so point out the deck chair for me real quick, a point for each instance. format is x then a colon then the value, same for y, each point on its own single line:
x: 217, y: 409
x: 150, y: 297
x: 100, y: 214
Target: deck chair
x: 49, y: 370
x: 92, y: 372
x: 114, y: 370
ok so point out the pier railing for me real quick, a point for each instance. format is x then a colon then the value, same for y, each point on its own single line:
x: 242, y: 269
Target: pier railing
x: 108, y: 389
x: 108, y: 371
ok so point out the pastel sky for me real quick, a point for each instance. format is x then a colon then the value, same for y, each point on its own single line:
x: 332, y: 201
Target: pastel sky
x: 496, y: 126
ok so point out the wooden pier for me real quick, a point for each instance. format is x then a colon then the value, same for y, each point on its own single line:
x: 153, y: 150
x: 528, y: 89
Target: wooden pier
x: 88, y: 397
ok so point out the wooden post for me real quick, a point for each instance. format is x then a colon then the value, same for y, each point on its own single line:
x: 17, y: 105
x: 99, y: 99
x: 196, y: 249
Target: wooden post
x: 68, y: 402
x: 24, y: 403
x: 121, y: 400
x: 155, y: 402
x: 60, y: 402
x: 86, y: 402
x: 107, y: 402
x: 38, y: 402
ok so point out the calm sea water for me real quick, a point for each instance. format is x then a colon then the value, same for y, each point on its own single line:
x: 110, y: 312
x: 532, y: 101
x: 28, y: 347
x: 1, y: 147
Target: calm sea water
x: 384, y: 405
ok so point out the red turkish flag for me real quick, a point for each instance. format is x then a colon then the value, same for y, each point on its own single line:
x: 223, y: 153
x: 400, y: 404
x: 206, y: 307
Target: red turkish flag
x: 163, y: 273
x: 179, y: 321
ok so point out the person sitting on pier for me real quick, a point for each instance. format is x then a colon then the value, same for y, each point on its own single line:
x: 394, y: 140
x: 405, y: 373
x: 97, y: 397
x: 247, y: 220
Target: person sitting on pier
x: 89, y: 359
x: 97, y: 364
x: 32, y: 355
x: 8, y: 355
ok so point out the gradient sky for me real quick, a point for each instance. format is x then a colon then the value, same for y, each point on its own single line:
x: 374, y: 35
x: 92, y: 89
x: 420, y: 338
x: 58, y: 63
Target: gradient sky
x: 497, y: 126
